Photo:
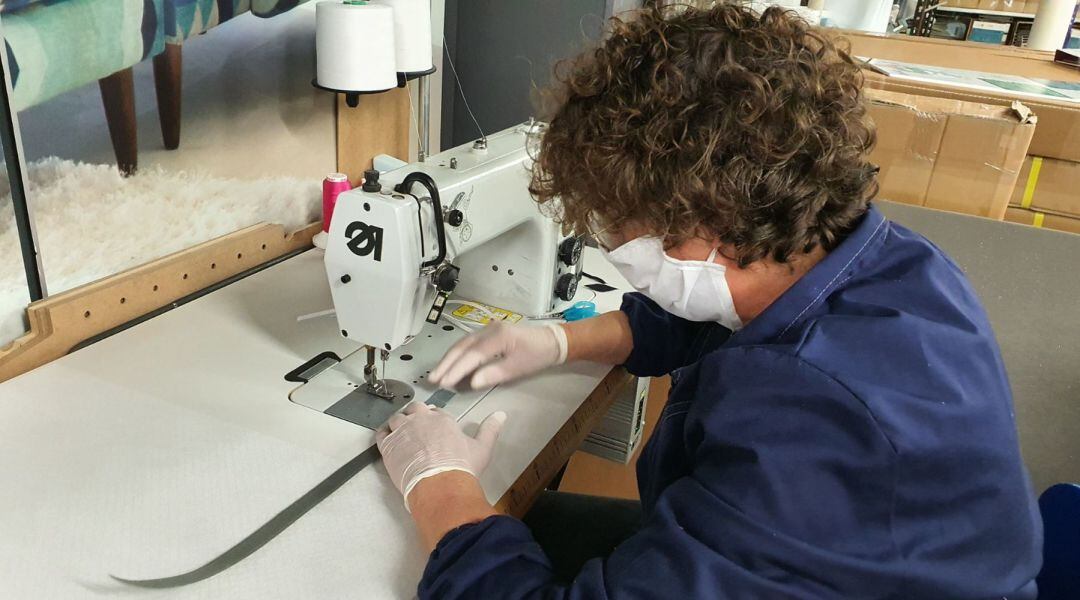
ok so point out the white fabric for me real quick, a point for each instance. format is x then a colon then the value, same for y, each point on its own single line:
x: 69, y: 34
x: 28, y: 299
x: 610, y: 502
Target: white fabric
x: 695, y: 290
x: 423, y: 441
x: 93, y: 222
x: 499, y: 353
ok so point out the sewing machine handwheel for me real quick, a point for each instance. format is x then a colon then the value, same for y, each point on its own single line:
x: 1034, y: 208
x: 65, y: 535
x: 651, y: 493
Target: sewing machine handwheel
x: 566, y: 287
x: 570, y: 251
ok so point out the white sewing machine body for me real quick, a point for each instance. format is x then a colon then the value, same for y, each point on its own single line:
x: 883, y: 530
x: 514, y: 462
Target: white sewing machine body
x: 391, y: 274
x: 382, y: 250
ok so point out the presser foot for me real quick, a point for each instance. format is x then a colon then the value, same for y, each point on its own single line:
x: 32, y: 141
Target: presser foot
x: 392, y: 390
x: 337, y: 388
x: 370, y: 410
x: 382, y: 389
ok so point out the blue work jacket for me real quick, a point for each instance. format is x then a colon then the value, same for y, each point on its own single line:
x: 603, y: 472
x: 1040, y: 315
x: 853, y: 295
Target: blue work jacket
x: 855, y: 440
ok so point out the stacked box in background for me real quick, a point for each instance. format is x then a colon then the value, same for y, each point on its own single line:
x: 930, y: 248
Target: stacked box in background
x: 1042, y: 220
x: 617, y: 435
x: 1047, y: 194
x: 949, y: 154
x: 1054, y: 199
x: 1058, y: 133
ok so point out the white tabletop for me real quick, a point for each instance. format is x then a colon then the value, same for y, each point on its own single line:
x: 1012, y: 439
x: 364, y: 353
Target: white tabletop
x: 151, y: 452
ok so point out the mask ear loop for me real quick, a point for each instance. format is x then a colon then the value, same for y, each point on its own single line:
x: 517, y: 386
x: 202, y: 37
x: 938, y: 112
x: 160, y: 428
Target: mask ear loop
x: 712, y: 255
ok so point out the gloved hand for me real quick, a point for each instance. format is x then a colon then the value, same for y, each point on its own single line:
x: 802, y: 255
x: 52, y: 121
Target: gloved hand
x: 499, y: 353
x: 422, y: 441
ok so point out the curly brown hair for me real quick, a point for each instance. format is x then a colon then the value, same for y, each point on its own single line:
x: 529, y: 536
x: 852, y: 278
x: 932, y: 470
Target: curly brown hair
x: 719, y: 123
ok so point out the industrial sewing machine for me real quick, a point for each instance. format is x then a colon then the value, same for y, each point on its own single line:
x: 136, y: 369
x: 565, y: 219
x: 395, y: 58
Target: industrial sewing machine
x: 461, y: 224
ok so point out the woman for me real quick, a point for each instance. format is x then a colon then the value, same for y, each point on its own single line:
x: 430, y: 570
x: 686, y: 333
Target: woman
x: 840, y: 423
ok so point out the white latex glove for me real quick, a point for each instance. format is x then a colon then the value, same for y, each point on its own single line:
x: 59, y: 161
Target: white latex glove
x: 422, y: 441
x: 499, y: 353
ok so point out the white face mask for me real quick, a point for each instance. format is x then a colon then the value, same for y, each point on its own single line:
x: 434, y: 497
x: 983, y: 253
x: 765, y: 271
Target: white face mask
x: 695, y: 290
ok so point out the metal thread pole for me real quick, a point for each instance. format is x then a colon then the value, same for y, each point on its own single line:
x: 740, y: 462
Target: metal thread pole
x: 424, y: 92
x: 424, y: 116
x: 13, y: 156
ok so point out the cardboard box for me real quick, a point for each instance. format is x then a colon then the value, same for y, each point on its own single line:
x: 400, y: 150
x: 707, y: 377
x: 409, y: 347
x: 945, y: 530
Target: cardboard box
x: 989, y: 32
x: 1043, y: 220
x: 947, y: 154
x: 1068, y: 56
x: 1058, y: 135
x: 1048, y: 185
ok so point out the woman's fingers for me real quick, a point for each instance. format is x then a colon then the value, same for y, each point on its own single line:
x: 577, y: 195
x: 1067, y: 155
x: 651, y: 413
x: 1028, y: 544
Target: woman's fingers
x: 395, y: 421
x: 489, y: 430
x: 482, y: 352
x: 439, y: 372
x: 492, y: 331
x: 464, y: 366
x: 491, y: 375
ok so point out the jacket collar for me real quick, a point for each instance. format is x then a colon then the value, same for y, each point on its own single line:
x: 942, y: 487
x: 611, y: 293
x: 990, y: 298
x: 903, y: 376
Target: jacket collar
x: 802, y: 300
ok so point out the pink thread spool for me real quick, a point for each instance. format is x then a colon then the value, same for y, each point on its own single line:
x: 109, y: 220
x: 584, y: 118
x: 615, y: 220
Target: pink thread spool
x: 334, y: 184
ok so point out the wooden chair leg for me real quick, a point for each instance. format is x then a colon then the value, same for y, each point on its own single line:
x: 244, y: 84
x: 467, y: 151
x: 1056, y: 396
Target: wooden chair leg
x: 167, y: 79
x: 118, y: 95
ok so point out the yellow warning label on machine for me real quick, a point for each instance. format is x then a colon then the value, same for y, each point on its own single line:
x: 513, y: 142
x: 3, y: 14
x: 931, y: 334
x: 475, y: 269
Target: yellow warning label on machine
x: 475, y: 315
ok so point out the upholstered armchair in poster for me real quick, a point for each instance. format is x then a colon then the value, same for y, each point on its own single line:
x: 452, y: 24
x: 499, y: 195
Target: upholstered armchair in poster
x: 184, y: 20
x: 55, y: 46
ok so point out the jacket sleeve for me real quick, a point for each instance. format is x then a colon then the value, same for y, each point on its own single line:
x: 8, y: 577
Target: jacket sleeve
x: 662, y: 341
x: 788, y: 497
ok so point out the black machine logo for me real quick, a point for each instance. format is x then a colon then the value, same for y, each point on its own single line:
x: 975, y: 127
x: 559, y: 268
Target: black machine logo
x: 365, y: 239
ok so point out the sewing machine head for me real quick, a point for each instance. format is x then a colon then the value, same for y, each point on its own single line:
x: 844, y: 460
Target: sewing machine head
x: 461, y: 223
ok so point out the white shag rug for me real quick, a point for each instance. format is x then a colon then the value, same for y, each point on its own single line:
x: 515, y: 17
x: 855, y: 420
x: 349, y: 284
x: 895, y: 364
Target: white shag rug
x: 91, y: 222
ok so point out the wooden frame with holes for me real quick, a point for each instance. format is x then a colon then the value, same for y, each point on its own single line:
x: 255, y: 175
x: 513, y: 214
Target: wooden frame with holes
x: 63, y: 321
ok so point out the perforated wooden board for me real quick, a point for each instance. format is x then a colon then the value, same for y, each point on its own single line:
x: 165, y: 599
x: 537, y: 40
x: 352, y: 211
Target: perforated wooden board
x: 380, y: 125
x: 61, y: 322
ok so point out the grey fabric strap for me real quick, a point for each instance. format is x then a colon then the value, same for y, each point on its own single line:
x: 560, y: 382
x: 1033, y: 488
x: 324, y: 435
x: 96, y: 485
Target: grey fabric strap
x: 268, y: 531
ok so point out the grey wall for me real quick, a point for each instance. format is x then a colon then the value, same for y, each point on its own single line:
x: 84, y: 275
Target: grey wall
x: 1026, y: 278
x: 504, y: 50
